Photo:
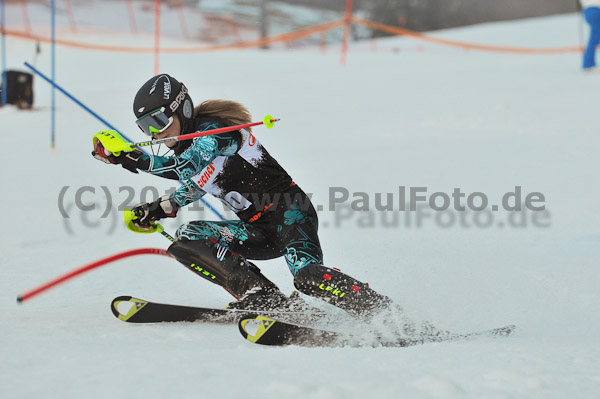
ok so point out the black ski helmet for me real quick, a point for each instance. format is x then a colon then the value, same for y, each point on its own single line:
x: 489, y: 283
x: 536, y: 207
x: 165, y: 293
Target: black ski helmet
x: 164, y: 91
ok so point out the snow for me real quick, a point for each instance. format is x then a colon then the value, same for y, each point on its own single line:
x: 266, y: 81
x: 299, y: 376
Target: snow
x: 438, y: 118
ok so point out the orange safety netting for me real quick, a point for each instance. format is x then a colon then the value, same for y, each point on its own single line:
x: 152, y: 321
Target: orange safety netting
x: 284, y: 37
x: 464, y: 45
x: 303, y: 33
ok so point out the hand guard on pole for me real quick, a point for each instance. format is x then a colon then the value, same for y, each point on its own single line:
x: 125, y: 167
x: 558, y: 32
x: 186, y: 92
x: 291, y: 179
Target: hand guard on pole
x: 146, y: 213
x: 104, y: 144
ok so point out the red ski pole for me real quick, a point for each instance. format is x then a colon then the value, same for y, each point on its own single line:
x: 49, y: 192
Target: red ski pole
x: 268, y: 122
x: 115, y: 143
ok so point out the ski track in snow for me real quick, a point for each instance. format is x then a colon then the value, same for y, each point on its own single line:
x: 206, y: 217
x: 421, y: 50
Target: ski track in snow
x: 440, y: 118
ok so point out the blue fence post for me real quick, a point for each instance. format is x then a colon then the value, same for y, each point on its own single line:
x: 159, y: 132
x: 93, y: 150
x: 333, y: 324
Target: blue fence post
x: 53, y: 73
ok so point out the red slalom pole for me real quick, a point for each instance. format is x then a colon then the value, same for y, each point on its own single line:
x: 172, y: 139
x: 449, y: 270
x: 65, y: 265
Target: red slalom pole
x: 184, y: 28
x: 347, y: 20
x: 71, y: 16
x: 156, y: 36
x: 26, y: 16
x: 131, y: 17
x: 142, y: 251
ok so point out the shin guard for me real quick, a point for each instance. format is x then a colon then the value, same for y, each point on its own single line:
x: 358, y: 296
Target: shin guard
x: 220, y: 266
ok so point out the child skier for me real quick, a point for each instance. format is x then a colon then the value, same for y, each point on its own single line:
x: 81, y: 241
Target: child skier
x: 276, y: 216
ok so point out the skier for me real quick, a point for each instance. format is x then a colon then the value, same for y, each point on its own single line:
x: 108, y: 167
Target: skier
x: 591, y: 13
x: 276, y: 216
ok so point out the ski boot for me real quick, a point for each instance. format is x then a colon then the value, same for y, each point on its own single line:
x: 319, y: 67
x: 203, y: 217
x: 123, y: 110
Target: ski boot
x: 341, y: 290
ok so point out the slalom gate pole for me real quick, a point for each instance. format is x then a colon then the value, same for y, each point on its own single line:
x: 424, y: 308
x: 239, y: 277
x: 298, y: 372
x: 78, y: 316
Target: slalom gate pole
x: 53, y: 73
x: 156, y: 36
x: 347, y: 22
x: 51, y: 81
x: 580, y: 22
x: 131, y: 17
x: 142, y: 251
x: 63, y: 91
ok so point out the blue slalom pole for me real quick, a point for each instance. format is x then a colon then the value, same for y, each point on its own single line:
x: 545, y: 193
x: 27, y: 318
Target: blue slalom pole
x: 63, y: 91
x: 40, y: 74
x: 4, y: 82
x: 53, y: 73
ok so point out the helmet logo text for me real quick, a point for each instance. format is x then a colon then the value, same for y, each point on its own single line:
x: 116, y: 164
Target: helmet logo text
x: 180, y: 97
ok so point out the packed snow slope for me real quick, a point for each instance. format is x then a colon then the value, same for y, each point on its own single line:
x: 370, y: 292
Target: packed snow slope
x: 438, y: 118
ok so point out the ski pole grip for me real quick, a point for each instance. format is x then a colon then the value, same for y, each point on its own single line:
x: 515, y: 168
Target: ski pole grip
x: 112, y: 141
x: 130, y: 217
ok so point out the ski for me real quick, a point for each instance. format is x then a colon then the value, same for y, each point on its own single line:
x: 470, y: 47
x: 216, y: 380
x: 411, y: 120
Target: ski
x: 135, y: 310
x: 264, y: 330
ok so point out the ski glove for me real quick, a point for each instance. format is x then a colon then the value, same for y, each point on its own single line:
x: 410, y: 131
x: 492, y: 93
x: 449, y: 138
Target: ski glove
x: 161, y: 208
x: 128, y: 160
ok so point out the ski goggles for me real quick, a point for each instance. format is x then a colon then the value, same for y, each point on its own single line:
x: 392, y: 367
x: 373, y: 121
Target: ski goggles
x: 154, y: 122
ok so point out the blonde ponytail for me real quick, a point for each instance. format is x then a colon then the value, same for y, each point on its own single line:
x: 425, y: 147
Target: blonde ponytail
x: 231, y: 111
